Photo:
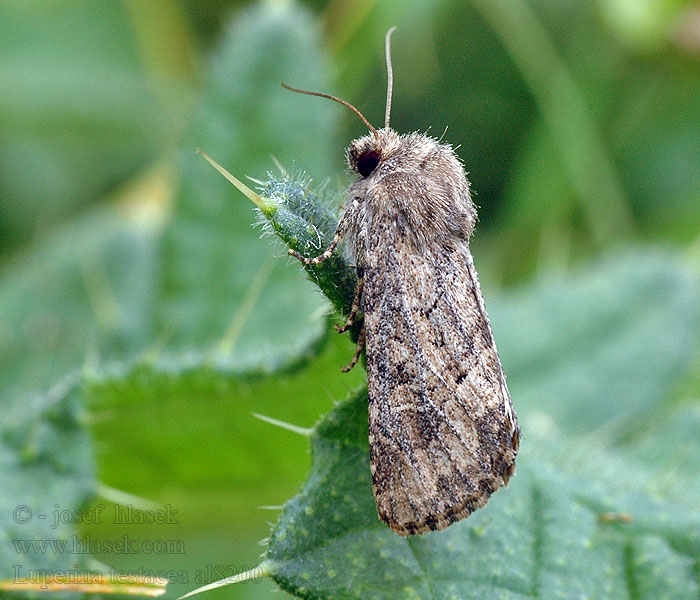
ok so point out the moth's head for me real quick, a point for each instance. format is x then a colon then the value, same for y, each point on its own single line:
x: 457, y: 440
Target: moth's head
x: 366, y: 154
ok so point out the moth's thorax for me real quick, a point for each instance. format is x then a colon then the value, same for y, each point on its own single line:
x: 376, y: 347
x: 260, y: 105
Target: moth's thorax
x: 416, y: 189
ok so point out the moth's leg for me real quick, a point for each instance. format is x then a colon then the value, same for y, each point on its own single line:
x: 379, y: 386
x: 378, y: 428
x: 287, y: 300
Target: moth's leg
x: 358, y: 350
x: 355, y: 302
x: 321, y: 257
x: 339, y: 233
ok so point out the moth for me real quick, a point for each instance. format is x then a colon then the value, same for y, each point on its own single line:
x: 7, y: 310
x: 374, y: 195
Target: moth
x: 443, y: 434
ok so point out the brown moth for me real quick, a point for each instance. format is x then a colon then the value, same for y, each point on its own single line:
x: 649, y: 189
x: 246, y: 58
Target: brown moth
x: 443, y: 434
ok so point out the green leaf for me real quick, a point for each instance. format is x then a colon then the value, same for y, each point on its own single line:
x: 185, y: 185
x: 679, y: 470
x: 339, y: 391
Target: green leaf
x: 204, y: 414
x: 83, y: 295
x: 204, y: 289
x: 196, y: 286
x: 80, y: 110
x: 604, y: 348
x: 584, y: 516
x: 545, y: 536
x: 215, y: 269
x: 46, y: 469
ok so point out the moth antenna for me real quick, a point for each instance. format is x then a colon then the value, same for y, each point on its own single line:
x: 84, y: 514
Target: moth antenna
x: 389, y: 76
x: 335, y: 99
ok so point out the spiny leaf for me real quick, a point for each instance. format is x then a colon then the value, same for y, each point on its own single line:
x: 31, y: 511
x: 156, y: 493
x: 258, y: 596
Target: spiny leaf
x: 302, y: 220
x: 193, y: 286
x: 46, y: 464
x: 543, y: 537
x: 305, y: 223
x: 219, y: 283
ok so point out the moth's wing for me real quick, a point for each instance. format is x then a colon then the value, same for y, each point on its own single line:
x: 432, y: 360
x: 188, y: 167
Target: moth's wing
x: 443, y: 433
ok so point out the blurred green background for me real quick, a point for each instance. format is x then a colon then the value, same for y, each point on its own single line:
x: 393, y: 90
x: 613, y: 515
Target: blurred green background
x: 136, y: 294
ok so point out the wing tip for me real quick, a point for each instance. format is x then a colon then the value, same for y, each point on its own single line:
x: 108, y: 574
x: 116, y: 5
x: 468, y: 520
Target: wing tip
x: 438, y: 522
x: 456, y: 512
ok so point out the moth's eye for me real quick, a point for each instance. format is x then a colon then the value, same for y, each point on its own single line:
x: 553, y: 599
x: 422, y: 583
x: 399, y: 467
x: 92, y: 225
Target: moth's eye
x: 367, y: 162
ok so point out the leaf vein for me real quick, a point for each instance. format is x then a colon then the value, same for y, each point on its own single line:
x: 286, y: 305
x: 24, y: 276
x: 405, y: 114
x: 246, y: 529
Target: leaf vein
x: 423, y: 574
x: 628, y: 565
x: 538, y: 539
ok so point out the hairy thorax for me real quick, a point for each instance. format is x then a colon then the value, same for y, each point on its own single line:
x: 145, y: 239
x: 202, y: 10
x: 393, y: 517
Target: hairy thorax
x: 418, y: 192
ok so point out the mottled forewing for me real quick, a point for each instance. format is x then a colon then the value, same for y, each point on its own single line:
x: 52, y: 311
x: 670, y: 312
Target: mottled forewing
x: 442, y: 430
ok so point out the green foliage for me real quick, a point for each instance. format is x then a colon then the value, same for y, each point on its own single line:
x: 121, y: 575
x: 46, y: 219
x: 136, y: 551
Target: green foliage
x: 139, y: 330
x: 148, y: 308
x: 78, y: 112
x: 218, y: 280
x: 46, y: 460
x: 195, y: 285
x: 567, y: 341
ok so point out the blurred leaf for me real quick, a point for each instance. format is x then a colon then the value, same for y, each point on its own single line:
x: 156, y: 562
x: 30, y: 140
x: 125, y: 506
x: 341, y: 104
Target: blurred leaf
x: 84, y: 294
x: 580, y: 518
x: 47, y: 474
x: 79, y: 112
x: 675, y: 463
x: 201, y: 290
x: 215, y: 267
x: 601, y: 349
